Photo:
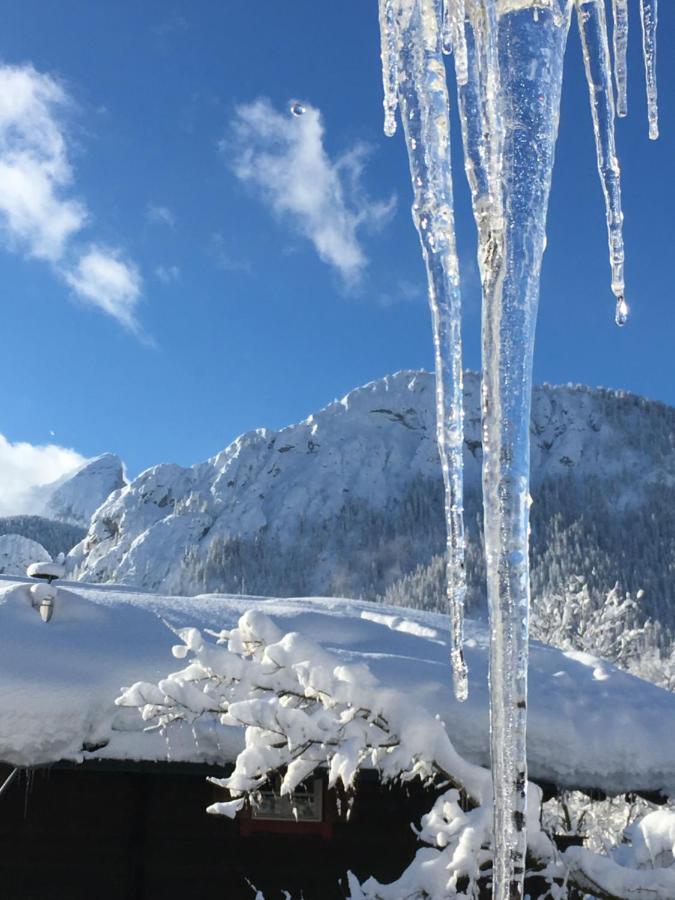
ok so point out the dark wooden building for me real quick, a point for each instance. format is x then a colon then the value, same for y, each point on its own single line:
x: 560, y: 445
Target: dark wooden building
x: 125, y: 831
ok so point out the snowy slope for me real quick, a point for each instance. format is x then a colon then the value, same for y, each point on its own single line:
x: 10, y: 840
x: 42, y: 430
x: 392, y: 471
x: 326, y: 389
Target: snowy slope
x: 18, y: 552
x: 350, y: 499
x: 76, y: 496
x: 590, y: 725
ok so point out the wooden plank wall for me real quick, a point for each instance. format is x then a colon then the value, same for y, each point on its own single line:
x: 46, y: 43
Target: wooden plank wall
x: 97, y: 832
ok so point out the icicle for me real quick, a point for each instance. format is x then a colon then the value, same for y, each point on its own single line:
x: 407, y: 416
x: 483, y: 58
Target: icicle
x: 522, y: 117
x: 482, y: 132
x: 621, y: 314
x: 503, y: 162
x: 595, y: 45
x: 509, y: 77
x: 620, y: 40
x: 454, y: 39
x: 423, y: 98
x: 389, y: 53
x: 649, y: 18
x: 471, y: 101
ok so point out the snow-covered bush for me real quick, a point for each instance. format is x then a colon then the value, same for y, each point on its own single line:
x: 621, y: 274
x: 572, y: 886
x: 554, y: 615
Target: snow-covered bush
x: 600, y: 824
x: 616, y: 630
x: 303, y: 709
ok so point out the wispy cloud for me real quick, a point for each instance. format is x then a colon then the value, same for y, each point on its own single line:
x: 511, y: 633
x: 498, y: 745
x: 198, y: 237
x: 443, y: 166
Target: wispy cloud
x: 404, y: 291
x: 224, y: 258
x: 283, y: 158
x: 160, y: 215
x: 102, y: 278
x: 174, y: 23
x: 167, y: 274
x: 25, y: 466
x: 39, y: 215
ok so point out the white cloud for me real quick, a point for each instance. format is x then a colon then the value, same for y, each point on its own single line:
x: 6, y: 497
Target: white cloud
x: 283, y: 157
x: 34, y: 168
x: 167, y: 274
x: 25, y: 466
x: 160, y: 215
x: 104, y: 279
x: 38, y: 214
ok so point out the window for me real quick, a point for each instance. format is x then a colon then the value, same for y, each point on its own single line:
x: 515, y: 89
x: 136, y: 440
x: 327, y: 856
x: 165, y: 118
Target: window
x: 305, y: 805
x: 307, y: 811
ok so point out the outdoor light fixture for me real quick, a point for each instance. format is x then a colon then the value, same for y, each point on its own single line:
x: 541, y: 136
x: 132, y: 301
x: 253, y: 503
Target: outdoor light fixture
x: 43, y: 596
x: 48, y: 571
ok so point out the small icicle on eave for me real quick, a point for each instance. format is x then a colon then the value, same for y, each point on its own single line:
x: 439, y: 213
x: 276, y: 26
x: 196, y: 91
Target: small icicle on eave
x: 454, y: 38
x: 482, y: 131
x: 649, y: 19
x: 389, y: 56
x: 597, y: 64
x: 413, y: 27
x: 620, y: 42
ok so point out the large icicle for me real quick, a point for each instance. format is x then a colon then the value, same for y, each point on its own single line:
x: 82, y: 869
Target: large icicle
x: 509, y: 66
x: 597, y: 63
x: 649, y: 17
x: 620, y: 40
x: 413, y: 27
x: 531, y: 49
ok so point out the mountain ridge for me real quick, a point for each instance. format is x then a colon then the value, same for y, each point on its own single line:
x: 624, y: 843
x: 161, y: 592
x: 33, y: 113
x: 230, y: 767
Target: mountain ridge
x: 76, y: 496
x: 349, y: 500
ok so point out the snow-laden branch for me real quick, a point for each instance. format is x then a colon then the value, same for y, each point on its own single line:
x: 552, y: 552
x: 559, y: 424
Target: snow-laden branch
x: 304, y: 709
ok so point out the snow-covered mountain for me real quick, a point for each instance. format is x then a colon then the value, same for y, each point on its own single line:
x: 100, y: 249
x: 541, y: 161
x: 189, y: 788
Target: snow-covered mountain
x: 64, y: 507
x: 350, y: 500
x: 55, y: 537
x: 18, y: 552
x: 77, y: 495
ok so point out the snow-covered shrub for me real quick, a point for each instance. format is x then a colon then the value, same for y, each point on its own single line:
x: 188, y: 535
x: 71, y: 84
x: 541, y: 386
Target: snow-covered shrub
x: 616, y: 630
x: 303, y: 709
x: 600, y: 824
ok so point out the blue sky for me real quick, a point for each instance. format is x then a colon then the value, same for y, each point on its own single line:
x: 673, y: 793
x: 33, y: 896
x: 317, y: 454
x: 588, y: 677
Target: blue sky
x: 228, y: 314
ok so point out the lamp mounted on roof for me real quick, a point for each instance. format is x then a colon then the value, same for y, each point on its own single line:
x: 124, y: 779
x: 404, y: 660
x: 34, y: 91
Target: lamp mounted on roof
x: 43, y: 595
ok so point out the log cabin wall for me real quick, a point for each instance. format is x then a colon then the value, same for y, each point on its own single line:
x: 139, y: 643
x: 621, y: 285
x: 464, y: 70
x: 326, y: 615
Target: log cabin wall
x: 105, y: 831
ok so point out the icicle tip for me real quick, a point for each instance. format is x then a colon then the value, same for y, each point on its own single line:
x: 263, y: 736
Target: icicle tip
x: 621, y: 314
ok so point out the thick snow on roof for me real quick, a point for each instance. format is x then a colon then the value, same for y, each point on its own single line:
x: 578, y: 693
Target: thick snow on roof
x: 590, y: 725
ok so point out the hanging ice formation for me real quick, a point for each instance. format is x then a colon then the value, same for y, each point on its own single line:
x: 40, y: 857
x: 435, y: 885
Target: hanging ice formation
x: 508, y: 57
x: 414, y: 76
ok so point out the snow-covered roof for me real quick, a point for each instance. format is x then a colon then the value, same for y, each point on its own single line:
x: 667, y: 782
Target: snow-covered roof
x: 590, y: 725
